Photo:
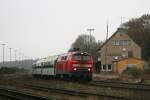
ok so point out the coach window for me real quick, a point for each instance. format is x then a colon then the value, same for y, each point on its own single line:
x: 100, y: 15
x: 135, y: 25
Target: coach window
x: 65, y: 57
x: 59, y: 58
x: 62, y: 58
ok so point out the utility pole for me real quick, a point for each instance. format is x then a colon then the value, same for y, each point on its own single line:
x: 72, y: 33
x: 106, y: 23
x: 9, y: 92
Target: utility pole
x: 90, y: 30
x: 15, y: 56
x: 19, y: 58
x: 3, y: 53
x: 10, y: 54
x: 107, y: 31
x: 22, y: 58
x: 106, y: 47
x: 122, y: 20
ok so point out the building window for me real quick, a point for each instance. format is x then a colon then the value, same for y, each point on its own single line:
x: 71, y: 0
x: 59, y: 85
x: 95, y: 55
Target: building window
x: 109, y: 67
x: 131, y: 65
x: 117, y: 42
x: 120, y: 42
x: 113, y: 42
x: 99, y: 59
x: 104, y: 67
x: 125, y: 42
x: 124, y: 54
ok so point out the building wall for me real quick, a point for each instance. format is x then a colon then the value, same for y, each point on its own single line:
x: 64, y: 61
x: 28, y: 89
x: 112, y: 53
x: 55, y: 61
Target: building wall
x: 120, y: 66
x: 110, y: 51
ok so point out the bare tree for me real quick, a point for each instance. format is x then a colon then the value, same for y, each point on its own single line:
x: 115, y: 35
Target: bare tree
x: 86, y: 43
x: 139, y: 30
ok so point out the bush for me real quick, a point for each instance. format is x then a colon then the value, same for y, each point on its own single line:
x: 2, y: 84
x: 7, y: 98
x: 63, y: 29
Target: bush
x: 134, y: 72
x: 12, y: 70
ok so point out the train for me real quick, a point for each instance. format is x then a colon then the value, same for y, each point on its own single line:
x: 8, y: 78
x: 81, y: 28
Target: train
x: 69, y: 65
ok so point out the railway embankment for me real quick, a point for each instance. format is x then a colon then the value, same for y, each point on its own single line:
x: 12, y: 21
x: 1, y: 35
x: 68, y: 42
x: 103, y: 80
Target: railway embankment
x: 64, y: 89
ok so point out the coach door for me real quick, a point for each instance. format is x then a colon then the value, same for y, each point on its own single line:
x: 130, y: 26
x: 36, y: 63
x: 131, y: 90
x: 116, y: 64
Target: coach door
x: 64, y: 65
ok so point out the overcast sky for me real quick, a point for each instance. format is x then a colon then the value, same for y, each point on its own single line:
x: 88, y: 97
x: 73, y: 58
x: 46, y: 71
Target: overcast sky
x: 39, y: 28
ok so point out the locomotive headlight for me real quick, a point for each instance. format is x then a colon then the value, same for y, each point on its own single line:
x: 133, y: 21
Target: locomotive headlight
x: 75, y: 69
x: 89, y: 69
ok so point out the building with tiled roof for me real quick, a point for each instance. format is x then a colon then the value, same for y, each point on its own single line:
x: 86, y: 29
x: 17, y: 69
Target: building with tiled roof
x: 118, y: 46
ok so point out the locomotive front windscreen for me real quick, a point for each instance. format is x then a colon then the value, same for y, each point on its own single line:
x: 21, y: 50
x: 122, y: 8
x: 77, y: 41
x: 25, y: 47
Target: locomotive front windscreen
x: 82, y: 57
x: 82, y: 62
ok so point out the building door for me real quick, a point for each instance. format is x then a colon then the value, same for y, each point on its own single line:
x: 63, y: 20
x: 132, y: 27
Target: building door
x: 130, y: 54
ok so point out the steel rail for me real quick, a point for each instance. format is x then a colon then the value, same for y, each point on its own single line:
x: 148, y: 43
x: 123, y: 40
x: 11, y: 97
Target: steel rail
x: 133, y: 86
x: 79, y: 93
x: 19, y: 95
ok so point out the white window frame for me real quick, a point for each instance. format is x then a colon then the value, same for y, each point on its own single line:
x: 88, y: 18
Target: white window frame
x: 117, y: 42
x: 102, y: 67
x: 109, y: 69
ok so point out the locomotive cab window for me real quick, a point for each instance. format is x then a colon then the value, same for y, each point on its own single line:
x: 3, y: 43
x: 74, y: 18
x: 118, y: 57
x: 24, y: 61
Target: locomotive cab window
x: 77, y: 57
x: 64, y: 58
x: 81, y: 57
x: 86, y: 58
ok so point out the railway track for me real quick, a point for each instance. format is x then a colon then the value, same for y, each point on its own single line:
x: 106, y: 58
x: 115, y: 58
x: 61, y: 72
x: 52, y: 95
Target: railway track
x: 80, y: 93
x: 115, y: 84
x: 58, y: 89
x: 131, y: 86
x: 18, y: 95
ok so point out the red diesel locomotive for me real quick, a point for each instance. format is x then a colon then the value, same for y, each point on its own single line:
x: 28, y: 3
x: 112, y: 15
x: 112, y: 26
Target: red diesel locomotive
x: 73, y: 64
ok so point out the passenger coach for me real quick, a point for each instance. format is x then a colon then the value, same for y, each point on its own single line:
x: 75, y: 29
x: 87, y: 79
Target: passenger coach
x: 69, y: 65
